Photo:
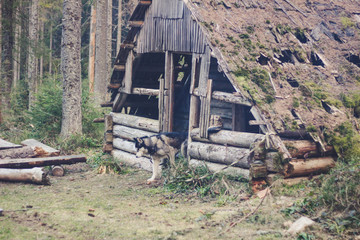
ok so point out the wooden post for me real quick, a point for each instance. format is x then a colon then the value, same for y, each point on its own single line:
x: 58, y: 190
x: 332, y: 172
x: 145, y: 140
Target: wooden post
x: 169, y: 92
x: 108, y: 134
x: 127, y: 81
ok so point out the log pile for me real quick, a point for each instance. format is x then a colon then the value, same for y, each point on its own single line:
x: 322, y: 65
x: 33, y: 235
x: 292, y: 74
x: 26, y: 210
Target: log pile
x: 24, y: 163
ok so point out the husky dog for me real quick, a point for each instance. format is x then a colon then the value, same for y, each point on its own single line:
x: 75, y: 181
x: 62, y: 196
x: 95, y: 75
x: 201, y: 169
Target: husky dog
x: 160, y: 147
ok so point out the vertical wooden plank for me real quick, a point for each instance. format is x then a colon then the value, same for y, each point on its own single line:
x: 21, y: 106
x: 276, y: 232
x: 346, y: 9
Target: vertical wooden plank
x: 128, y: 73
x: 204, y: 71
x: 238, y: 118
x: 161, y: 104
x: 169, y: 93
x: 205, y: 110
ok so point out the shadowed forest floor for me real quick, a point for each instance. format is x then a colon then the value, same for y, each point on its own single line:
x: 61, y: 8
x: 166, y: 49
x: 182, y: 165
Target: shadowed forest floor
x: 87, y: 205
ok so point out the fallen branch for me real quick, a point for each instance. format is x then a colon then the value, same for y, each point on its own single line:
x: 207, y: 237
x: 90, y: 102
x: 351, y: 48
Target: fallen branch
x: 252, y: 212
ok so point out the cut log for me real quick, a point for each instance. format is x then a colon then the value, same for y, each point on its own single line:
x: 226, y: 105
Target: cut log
x: 221, y: 168
x: 136, y: 122
x: 24, y: 152
x: 306, y: 149
x: 108, y: 123
x: 57, y: 171
x: 299, y: 134
x: 6, y: 145
x: 274, y: 162
x: 231, y: 138
x: 40, y: 162
x: 33, y: 175
x: 47, y: 151
x: 304, y: 167
x: 129, y: 133
x: 108, y: 137
x: 107, y: 147
x: 239, y: 157
x: 258, y: 170
x: 132, y: 160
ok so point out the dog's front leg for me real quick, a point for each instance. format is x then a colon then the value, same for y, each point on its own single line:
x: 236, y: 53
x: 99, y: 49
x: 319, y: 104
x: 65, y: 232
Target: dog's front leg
x: 156, y: 171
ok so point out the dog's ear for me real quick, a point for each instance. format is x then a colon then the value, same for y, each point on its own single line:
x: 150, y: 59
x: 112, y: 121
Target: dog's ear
x: 137, y: 142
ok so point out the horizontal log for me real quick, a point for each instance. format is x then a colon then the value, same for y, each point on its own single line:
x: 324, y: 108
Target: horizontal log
x: 298, y: 134
x: 129, y: 133
x: 231, y: 138
x: 306, y: 149
x: 136, y: 122
x: 40, y: 162
x: 33, y: 175
x: 119, y: 68
x: 145, y: 91
x: 227, y: 97
x: 221, y: 168
x: 47, y: 150
x: 305, y: 167
x: 136, y: 23
x: 98, y: 120
x: 132, y: 160
x: 271, y: 178
x: 24, y: 152
x: 6, y: 145
x: 258, y: 171
x: 106, y: 104
x: 127, y: 146
x: 144, y: 2
x: 238, y: 157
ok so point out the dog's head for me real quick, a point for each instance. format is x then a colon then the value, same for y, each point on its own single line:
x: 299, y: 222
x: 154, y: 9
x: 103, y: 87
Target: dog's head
x: 140, y: 147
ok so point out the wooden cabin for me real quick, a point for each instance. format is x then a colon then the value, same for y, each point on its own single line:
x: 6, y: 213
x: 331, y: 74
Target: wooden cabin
x: 170, y: 77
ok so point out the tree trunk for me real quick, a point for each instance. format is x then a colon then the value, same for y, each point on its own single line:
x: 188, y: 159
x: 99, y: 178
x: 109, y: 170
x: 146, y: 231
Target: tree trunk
x: 32, y: 60
x: 17, y: 39
x: 119, y: 25
x: 92, y: 49
x: 1, y: 83
x: 50, y: 46
x: 33, y: 175
x: 71, y: 68
x: 109, y: 40
x: 7, y: 53
x: 41, y: 61
x: 101, y: 53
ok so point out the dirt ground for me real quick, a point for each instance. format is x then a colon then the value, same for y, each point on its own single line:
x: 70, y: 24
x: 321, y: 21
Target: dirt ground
x: 87, y: 205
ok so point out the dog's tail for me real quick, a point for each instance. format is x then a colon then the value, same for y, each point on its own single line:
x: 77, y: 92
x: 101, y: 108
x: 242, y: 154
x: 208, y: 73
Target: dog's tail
x: 184, y: 147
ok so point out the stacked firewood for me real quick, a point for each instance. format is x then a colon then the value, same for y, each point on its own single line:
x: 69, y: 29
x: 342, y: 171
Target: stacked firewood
x: 25, y: 162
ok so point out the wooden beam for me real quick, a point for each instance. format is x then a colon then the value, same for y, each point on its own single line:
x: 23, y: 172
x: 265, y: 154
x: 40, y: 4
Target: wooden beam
x: 119, y: 68
x: 40, y: 162
x: 114, y: 85
x: 128, y: 77
x: 136, y: 23
x: 6, y: 145
x: 145, y: 3
x: 130, y: 133
x: 47, y: 150
x: 145, y: 91
x: 255, y: 122
x: 136, y: 122
x: 227, y: 97
x: 107, y: 104
x: 127, y: 45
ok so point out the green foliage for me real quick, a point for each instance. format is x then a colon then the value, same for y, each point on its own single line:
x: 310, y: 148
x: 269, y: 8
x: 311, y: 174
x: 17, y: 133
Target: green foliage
x: 296, y: 102
x: 244, y: 36
x: 311, y: 128
x: 186, y: 179
x: 105, y: 161
x: 345, y: 141
x: 250, y: 29
x: 305, y: 236
x: 352, y: 101
x: 43, y: 121
x: 283, y: 29
x: 347, y: 22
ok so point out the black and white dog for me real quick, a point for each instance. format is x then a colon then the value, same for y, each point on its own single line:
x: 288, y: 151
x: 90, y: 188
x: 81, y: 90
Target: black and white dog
x: 160, y: 147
